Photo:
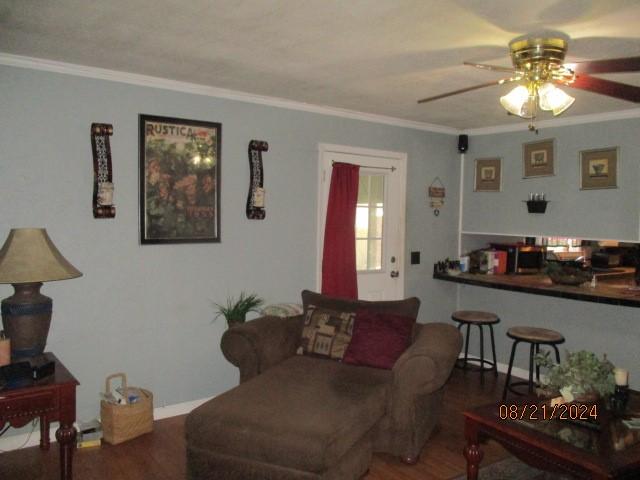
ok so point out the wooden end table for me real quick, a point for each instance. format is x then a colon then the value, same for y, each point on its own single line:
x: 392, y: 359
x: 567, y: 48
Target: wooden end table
x: 608, y: 450
x: 52, y: 399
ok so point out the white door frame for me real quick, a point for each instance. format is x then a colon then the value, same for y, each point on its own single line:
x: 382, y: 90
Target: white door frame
x: 326, y: 148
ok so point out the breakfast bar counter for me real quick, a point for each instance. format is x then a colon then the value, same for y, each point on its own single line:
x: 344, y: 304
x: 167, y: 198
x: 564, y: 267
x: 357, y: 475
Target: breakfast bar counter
x: 607, y: 292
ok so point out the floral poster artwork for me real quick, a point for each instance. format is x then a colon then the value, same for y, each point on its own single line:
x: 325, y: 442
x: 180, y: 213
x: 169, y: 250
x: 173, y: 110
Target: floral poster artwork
x: 179, y: 180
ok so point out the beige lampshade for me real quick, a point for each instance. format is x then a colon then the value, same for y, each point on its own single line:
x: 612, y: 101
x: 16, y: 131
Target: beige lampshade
x: 28, y: 255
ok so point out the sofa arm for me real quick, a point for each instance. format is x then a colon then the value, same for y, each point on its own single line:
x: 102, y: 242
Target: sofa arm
x: 418, y: 377
x: 261, y: 343
x: 426, y: 365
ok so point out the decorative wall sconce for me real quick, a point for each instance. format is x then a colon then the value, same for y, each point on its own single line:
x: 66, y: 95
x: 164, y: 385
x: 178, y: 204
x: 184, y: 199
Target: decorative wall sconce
x: 103, y: 206
x: 255, y: 198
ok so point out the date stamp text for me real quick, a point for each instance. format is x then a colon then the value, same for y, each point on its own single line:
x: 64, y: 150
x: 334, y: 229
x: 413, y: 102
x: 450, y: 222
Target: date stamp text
x: 561, y: 411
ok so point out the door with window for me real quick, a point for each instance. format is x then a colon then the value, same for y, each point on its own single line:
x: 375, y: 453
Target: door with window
x: 380, y: 218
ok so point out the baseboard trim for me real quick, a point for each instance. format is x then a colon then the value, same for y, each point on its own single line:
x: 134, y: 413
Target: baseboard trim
x: 24, y: 440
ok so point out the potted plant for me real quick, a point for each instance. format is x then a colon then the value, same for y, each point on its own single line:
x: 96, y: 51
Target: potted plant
x: 581, y: 377
x: 567, y: 273
x: 235, y: 311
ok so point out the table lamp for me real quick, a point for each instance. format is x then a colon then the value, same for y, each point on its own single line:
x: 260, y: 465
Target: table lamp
x: 28, y: 258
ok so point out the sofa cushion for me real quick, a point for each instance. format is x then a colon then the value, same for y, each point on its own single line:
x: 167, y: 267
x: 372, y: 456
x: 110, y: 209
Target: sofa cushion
x: 326, y: 333
x: 408, y: 307
x: 304, y: 413
x: 378, y: 339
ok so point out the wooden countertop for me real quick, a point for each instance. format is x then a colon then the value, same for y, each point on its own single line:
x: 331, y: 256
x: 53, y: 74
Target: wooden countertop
x: 605, y: 292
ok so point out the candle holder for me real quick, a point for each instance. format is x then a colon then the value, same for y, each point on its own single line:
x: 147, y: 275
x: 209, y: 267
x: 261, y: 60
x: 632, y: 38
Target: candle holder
x: 620, y: 398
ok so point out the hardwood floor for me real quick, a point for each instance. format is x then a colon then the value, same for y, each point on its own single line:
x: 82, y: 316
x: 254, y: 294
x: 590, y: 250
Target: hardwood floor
x: 161, y: 455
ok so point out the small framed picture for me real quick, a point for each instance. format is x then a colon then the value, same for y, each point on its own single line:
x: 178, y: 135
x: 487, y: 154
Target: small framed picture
x: 538, y: 158
x: 488, y: 175
x: 599, y: 168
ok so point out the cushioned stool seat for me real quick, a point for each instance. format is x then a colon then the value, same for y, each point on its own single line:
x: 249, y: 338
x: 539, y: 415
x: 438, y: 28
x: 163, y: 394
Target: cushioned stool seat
x: 303, y: 414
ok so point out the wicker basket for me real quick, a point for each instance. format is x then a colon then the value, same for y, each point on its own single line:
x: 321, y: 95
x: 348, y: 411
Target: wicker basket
x: 124, y: 422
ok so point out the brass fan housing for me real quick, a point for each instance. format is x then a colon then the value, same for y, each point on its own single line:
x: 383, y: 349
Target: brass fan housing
x: 539, y: 59
x: 533, y: 50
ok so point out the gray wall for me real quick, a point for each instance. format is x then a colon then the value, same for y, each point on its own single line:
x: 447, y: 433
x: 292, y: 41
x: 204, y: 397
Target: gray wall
x: 610, y: 213
x: 588, y: 214
x: 147, y: 310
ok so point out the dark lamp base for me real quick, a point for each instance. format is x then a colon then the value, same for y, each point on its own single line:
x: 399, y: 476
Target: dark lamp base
x: 26, y: 317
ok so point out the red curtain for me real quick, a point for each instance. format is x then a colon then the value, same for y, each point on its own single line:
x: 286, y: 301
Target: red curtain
x: 339, y: 276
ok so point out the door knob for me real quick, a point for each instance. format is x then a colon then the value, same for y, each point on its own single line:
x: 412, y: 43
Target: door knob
x: 394, y: 274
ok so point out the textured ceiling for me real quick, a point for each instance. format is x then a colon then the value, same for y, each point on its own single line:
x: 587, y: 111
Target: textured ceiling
x: 373, y: 56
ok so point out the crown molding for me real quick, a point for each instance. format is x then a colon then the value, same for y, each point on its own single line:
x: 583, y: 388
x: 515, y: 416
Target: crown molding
x: 197, y: 89
x: 557, y: 122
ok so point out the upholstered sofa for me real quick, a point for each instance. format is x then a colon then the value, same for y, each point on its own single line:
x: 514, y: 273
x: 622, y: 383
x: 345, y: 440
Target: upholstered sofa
x: 298, y: 417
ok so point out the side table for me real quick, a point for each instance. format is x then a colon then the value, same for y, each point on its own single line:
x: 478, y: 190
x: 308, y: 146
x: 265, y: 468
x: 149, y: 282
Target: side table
x: 52, y: 399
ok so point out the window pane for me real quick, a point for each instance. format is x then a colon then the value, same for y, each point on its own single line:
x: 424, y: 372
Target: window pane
x: 370, y: 222
x: 376, y: 194
x: 361, y: 254
x: 374, y: 257
x: 362, y: 222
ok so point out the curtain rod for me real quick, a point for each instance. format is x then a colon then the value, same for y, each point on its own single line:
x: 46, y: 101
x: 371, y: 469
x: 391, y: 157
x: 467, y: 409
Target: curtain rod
x: 393, y: 169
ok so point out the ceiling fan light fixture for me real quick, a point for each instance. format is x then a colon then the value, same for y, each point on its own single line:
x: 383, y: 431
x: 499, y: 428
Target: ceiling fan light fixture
x: 517, y: 101
x: 554, y: 99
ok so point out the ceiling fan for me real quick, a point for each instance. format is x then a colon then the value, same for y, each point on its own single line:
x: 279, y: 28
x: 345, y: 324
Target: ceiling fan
x: 538, y: 66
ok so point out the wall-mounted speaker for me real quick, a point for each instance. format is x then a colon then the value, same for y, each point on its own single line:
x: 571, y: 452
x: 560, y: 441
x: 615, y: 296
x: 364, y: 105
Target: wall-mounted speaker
x: 463, y: 143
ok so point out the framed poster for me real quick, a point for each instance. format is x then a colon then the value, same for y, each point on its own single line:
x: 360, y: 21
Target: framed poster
x: 599, y: 168
x: 538, y: 158
x: 179, y: 180
x: 488, y: 175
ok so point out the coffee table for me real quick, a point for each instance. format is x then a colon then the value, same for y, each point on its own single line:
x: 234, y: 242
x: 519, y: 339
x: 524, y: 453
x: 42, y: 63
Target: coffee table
x: 603, y: 450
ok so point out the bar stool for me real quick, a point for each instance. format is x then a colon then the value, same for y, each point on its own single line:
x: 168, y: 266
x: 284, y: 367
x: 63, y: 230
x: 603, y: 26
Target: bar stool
x: 479, y: 319
x: 536, y: 337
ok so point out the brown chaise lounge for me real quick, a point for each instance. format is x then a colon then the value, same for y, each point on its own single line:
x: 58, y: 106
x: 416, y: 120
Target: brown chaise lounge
x: 300, y: 417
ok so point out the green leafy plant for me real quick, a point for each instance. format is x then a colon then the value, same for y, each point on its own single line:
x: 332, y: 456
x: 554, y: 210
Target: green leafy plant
x: 235, y: 311
x: 567, y: 274
x: 582, y: 374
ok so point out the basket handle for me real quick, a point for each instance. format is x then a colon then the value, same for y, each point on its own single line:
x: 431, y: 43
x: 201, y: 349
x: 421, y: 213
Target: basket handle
x: 123, y: 382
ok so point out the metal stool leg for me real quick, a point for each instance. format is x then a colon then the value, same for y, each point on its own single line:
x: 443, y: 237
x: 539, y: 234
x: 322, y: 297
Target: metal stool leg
x: 531, y: 351
x: 481, y: 354
x: 537, y: 366
x: 493, y: 351
x: 557, y: 353
x: 508, y: 380
x: 466, y: 347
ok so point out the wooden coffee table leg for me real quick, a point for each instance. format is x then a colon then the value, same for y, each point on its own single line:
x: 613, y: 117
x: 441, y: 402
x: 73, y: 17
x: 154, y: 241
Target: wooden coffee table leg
x: 472, y: 451
x: 66, y: 436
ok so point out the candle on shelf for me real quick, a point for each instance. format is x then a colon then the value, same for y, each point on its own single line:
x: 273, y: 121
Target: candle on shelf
x: 622, y: 376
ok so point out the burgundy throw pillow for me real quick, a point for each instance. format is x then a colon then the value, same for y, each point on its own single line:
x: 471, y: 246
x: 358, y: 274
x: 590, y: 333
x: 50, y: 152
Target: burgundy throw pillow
x: 378, y: 339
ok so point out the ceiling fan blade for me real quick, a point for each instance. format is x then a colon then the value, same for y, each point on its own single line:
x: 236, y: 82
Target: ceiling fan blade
x: 610, y: 65
x: 619, y: 90
x: 495, y: 68
x: 463, y: 90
